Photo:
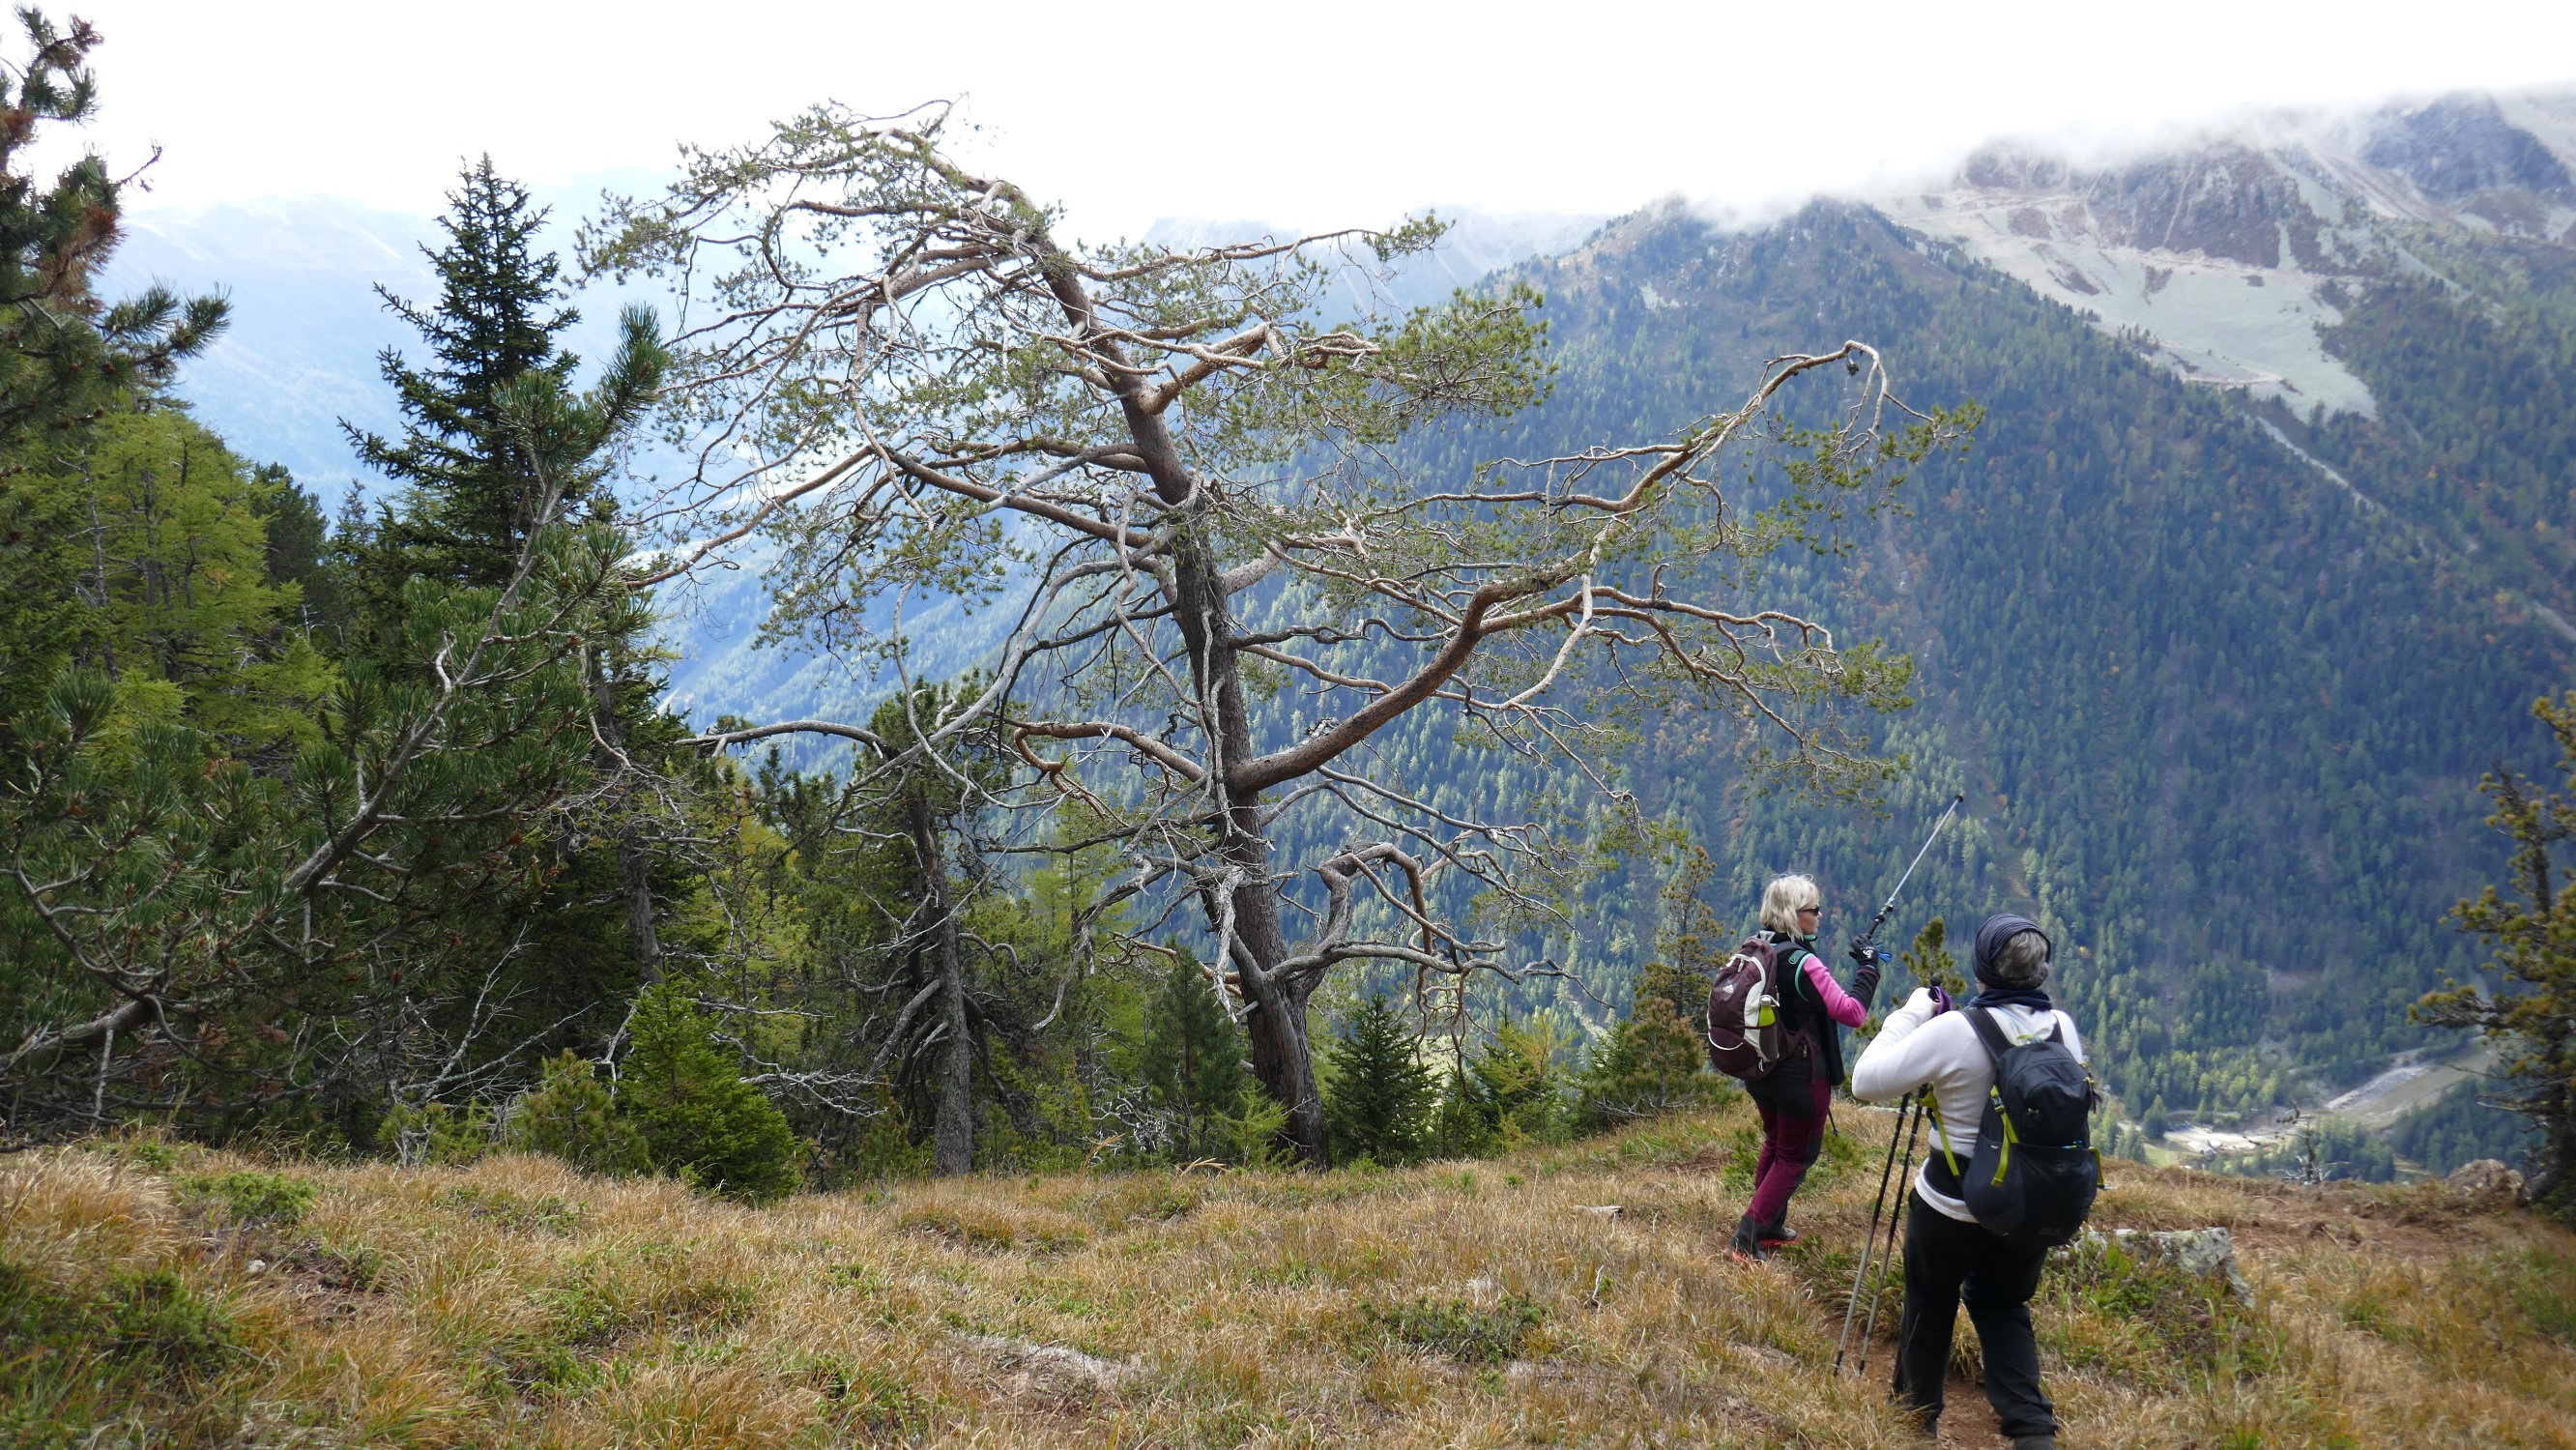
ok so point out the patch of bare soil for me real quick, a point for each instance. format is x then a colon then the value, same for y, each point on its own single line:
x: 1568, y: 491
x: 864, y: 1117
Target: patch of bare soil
x: 1967, y: 1421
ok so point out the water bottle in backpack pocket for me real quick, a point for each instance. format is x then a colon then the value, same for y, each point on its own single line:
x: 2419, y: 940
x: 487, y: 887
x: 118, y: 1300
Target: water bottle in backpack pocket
x: 2033, y: 1174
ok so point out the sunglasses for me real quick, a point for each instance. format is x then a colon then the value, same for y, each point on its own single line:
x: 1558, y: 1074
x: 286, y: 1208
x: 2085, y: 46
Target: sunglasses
x: 1811, y: 911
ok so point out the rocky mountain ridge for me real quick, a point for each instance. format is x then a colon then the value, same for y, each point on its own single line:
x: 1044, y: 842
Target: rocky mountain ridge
x: 2224, y: 255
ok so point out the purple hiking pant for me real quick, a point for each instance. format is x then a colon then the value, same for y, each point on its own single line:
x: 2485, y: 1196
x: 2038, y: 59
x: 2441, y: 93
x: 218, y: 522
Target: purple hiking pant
x: 1790, y: 1144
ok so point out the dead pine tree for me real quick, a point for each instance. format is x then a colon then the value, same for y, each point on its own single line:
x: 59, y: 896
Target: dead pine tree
x: 1187, y: 480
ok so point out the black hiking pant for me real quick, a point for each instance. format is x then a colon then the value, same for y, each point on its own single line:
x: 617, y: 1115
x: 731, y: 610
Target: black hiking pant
x: 1947, y: 1261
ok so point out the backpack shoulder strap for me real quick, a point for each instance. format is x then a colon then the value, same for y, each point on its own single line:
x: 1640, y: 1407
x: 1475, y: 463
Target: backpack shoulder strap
x: 1989, y: 1035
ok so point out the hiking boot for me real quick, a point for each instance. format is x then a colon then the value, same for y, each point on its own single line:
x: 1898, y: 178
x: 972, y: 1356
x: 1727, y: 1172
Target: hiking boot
x: 1776, y: 1234
x: 1747, y: 1247
x: 2034, y: 1442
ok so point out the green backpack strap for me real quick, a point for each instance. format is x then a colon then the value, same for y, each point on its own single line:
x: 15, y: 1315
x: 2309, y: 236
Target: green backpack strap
x: 1990, y: 1036
x: 1941, y: 1131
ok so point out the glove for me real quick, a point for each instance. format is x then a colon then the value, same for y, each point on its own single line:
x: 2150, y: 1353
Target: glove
x: 1941, y: 999
x: 1869, y: 957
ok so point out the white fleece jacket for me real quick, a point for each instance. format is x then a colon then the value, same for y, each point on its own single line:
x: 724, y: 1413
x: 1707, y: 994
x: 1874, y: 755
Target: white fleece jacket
x: 1914, y: 1048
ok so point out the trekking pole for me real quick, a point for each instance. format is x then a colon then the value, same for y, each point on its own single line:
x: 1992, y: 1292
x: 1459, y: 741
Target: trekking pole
x: 1870, y: 1241
x: 1888, y: 1258
x: 1889, y: 908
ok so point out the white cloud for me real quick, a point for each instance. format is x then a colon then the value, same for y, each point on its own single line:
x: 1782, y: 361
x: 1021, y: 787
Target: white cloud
x: 1325, y: 111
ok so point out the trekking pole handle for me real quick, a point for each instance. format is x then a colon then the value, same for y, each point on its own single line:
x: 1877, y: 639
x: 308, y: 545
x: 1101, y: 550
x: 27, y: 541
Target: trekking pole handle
x: 1884, y: 912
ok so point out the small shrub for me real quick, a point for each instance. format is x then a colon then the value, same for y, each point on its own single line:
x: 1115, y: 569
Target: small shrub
x: 881, y: 1403
x: 1743, y: 1150
x: 149, y: 1326
x: 143, y: 1153
x: 1459, y: 1329
x: 253, y: 1198
x: 1254, y: 1131
x: 572, y: 1115
x: 158, y: 1317
x: 695, y: 1114
x: 2543, y: 1284
x: 355, y: 1268
x: 982, y: 1226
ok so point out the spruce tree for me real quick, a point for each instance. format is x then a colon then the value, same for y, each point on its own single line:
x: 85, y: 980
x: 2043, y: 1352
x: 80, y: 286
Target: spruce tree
x: 469, y: 498
x: 488, y: 454
x: 697, y: 1117
x: 1378, y: 1096
x: 1193, y: 1059
x: 1655, y: 1060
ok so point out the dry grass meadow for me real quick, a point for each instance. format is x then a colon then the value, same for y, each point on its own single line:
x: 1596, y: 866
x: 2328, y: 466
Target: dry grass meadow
x: 163, y: 1296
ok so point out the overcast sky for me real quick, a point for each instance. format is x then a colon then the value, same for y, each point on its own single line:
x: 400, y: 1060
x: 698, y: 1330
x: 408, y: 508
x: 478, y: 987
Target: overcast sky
x: 1297, y: 113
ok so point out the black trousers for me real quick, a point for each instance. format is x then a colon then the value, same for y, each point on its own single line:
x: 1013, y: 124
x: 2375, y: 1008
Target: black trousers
x: 1947, y: 1261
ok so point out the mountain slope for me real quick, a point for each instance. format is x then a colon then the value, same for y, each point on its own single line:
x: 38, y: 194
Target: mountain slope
x: 2220, y: 721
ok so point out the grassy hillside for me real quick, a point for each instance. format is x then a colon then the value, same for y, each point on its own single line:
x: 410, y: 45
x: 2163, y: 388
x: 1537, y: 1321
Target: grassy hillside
x: 151, y: 1295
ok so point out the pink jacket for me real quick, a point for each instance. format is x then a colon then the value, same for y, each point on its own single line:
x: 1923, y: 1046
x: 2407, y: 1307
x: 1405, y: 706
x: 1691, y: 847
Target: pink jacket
x: 1840, y: 1005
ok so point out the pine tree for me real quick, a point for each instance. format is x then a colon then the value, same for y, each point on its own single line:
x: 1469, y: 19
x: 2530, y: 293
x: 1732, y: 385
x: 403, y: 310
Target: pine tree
x: 2531, y: 1013
x: 65, y: 357
x: 573, y: 1116
x: 1193, y: 1059
x: 1378, y: 1095
x: 469, y: 498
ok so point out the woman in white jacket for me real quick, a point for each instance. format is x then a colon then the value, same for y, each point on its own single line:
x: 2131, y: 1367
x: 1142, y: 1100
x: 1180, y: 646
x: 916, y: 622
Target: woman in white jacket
x: 1948, y: 1256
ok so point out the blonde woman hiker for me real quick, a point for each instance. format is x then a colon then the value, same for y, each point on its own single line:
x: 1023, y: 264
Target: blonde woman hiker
x: 1792, y: 1096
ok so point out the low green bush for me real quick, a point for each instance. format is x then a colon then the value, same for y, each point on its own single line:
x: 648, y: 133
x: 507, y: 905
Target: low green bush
x: 248, y: 1197
x: 697, y: 1118
x: 2105, y: 1307
x: 1459, y: 1329
x: 71, y: 1360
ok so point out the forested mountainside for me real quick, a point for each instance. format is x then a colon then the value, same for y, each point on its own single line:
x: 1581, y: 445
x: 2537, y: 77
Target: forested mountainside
x: 2220, y: 720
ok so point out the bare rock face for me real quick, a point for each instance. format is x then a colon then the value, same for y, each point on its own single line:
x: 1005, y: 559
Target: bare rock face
x: 2225, y: 255
x: 2486, y: 1180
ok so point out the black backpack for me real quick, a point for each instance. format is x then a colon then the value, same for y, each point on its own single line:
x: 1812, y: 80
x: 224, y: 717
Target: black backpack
x: 2032, y: 1177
